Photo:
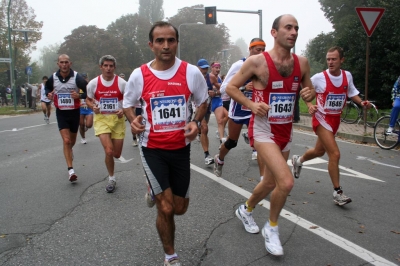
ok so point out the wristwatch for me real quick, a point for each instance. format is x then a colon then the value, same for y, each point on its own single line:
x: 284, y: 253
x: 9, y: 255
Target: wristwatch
x: 197, y: 122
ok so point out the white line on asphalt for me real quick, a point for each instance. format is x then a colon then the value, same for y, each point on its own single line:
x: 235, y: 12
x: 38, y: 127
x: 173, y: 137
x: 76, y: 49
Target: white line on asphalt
x: 22, y: 128
x: 345, y: 244
x: 376, y: 162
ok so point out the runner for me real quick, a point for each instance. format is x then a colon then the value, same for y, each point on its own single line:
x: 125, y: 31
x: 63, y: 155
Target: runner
x: 63, y: 87
x: 104, y: 97
x: 86, y: 115
x: 44, y: 101
x: 164, y: 87
x: 333, y: 86
x: 238, y: 115
x: 276, y: 76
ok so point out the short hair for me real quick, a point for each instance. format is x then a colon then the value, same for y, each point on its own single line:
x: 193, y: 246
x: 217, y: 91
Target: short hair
x: 337, y: 48
x: 275, y: 24
x: 107, y: 58
x: 162, y: 24
x: 256, y: 40
x: 45, y: 77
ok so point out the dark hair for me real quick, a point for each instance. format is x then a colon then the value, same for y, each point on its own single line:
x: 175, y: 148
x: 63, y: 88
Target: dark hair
x: 162, y: 24
x: 337, y: 48
x: 275, y: 24
x: 45, y: 77
x: 256, y: 40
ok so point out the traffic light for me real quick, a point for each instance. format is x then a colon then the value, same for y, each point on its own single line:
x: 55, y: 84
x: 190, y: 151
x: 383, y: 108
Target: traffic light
x: 211, y: 14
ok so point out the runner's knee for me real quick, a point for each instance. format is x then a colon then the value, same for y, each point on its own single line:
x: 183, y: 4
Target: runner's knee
x: 230, y: 144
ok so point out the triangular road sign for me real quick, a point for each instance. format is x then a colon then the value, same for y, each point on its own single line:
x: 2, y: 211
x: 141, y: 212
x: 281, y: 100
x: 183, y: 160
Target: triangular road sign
x: 370, y: 17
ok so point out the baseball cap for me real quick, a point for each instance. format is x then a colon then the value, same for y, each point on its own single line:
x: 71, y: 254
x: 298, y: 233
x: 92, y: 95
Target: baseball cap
x: 202, y: 63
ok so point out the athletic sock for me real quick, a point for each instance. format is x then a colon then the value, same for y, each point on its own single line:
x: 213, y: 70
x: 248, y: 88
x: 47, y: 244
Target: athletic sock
x: 248, y: 208
x: 111, y: 178
x: 168, y: 257
x: 69, y: 168
x: 299, y: 160
x: 206, y: 153
x: 273, y: 224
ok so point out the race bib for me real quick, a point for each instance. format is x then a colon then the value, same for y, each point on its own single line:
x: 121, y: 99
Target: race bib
x: 168, y: 113
x: 282, y: 106
x: 334, y: 103
x: 65, y: 101
x: 108, y: 105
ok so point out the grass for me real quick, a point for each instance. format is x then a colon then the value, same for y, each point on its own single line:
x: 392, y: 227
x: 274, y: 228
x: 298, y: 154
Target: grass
x: 10, y: 110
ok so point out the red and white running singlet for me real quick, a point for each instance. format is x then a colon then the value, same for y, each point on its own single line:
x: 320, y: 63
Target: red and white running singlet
x: 108, y: 97
x: 332, y: 101
x: 165, y: 109
x: 280, y: 94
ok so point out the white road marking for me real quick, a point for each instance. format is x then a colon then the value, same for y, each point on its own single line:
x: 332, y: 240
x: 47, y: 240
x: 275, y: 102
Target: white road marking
x: 22, y: 128
x: 320, y: 161
x: 376, y: 162
x: 345, y: 244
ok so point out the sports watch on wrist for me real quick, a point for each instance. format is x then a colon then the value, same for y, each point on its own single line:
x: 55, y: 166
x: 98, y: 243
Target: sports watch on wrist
x: 197, y: 122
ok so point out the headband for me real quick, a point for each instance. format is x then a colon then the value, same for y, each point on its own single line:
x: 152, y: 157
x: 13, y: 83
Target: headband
x: 257, y: 43
x: 216, y: 64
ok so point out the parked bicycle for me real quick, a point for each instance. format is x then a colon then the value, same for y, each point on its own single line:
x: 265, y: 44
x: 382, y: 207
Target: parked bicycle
x: 352, y: 113
x: 384, y: 139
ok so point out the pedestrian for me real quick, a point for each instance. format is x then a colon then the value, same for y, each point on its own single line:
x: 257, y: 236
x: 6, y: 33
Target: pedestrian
x: 164, y: 86
x: 104, y: 97
x: 396, y: 105
x: 333, y: 86
x: 276, y: 76
x: 203, y: 66
x: 239, y: 115
x: 34, y: 94
x: 45, y: 102
x: 63, y: 88
x: 3, y: 93
x: 86, y: 115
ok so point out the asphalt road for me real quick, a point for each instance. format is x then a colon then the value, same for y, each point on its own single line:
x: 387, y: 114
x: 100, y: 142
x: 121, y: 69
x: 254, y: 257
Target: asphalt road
x: 46, y: 220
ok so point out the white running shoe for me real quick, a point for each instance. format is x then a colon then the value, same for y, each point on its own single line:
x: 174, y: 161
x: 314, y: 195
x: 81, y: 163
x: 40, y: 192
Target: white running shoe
x: 172, y: 262
x: 83, y: 141
x: 209, y: 160
x: 72, y: 176
x: 271, y: 238
x: 389, y: 131
x: 134, y: 143
x: 247, y: 220
x: 217, y: 134
x: 217, y: 166
x: 246, y: 137
x: 254, y: 155
x: 150, y: 200
x: 47, y: 120
x: 340, y: 198
x: 296, y: 167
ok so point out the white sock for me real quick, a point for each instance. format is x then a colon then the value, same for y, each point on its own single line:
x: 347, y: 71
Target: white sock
x: 111, y: 178
x: 71, y: 171
x: 299, y: 161
x: 261, y: 178
x: 168, y: 257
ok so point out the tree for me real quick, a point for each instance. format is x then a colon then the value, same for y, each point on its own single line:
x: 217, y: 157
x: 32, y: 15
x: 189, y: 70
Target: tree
x: 152, y: 10
x: 48, y: 58
x: 87, y: 44
x: 243, y: 46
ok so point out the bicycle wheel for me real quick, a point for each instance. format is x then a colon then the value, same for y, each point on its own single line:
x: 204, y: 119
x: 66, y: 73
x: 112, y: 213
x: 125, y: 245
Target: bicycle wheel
x: 350, y: 113
x: 382, y: 139
x: 372, y: 115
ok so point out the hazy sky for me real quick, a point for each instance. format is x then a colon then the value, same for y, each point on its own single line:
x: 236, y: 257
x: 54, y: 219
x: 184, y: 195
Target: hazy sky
x: 60, y: 19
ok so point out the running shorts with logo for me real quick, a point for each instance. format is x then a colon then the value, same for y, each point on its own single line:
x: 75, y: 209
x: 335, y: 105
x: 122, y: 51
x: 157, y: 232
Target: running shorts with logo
x: 109, y: 124
x: 68, y: 119
x: 86, y: 111
x: 167, y: 169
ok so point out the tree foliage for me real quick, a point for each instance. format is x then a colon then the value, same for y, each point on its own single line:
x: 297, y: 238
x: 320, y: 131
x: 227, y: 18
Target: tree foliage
x: 48, y: 58
x: 152, y: 10
x: 384, y: 56
x: 243, y: 46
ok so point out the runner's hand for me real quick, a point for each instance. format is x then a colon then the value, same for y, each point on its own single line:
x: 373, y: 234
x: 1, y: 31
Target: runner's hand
x: 120, y: 113
x: 306, y: 94
x: 136, y: 125
x: 312, y: 109
x: 260, y: 109
x: 74, y: 95
x: 191, y: 131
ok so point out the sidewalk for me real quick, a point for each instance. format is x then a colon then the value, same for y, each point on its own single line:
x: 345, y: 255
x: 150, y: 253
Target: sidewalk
x: 347, y: 131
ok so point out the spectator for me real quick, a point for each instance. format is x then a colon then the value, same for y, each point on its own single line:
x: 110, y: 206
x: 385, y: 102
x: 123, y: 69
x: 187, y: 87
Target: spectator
x: 396, y: 105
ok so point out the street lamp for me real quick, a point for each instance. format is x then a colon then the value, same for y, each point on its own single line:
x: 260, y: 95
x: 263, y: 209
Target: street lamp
x: 179, y: 30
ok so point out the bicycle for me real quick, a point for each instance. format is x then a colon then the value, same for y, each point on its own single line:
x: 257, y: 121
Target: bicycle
x: 383, y: 139
x: 351, y: 113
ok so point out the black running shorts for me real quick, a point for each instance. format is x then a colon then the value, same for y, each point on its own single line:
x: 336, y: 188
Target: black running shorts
x: 167, y: 169
x: 68, y: 119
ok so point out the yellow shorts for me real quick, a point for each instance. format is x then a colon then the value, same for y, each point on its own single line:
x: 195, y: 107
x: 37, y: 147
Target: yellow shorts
x: 109, y: 124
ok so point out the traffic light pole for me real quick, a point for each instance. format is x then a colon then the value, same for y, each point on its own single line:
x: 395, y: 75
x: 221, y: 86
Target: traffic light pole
x: 259, y: 12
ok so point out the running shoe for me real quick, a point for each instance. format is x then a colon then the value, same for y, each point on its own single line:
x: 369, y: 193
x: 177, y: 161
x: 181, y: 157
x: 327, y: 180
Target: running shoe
x: 198, y: 137
x: 222, y: 142
x: 72, y: 176
x: 134, y: 143
x: 83, y: 141
x: 247, y: 220
x: 340, y: 198
x: 217, y: 134
x: 45, y: 117
x: 389, y: 131
x: 271, y: 238
x: 172, y: 262
x: 111, y: 186
x: 209, y: 160
x: 254, y: 155
x: 150, y: 200
x: 217, y: 166
x: 246, y: 137
x: 47, y: 120
x: 296, y: 167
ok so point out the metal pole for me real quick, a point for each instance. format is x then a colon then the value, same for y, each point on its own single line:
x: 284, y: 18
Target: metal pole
x: 260, y: 23
x: 366, y: 85
x: 13, y: 90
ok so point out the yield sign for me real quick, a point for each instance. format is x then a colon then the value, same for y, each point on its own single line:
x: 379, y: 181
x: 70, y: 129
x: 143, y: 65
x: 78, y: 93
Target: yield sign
x: 370, y: 17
